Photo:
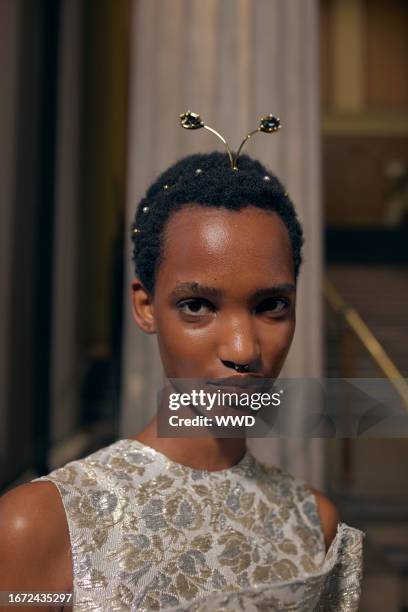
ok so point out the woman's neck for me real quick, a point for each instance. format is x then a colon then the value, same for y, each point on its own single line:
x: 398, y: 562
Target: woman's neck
x: 205, y: 453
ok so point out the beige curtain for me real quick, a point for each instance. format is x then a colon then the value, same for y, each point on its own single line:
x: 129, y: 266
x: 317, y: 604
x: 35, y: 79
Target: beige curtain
x: 232, y: 61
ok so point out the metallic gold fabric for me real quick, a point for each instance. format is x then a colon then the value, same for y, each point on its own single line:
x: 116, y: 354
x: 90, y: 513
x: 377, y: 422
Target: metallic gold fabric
x: 150, y: 534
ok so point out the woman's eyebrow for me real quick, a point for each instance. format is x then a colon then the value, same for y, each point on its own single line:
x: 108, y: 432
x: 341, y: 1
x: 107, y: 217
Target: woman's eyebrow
x: 275, y: 290
x: 198, y: 289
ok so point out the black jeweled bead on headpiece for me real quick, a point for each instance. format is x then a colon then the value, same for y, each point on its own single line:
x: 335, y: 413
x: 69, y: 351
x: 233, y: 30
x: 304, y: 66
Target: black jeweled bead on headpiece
x: 193, y: 121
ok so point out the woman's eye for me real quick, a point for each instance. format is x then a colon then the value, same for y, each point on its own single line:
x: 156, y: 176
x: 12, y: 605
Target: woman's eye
x: 273, y: 306
x: 195, y: 307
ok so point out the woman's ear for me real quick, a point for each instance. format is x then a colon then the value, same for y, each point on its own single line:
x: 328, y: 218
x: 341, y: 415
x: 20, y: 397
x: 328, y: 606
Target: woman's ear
x: 142, y: 307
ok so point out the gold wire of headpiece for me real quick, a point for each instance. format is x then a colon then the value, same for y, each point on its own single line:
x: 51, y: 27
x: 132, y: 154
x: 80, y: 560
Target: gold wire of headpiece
x: 193, y: 121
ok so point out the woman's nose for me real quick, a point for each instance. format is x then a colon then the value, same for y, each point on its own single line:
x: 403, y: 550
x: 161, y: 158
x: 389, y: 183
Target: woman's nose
x: 238, y: 344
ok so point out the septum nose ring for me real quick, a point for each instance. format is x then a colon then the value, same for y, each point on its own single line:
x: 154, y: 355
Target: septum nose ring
x: 241, y: 368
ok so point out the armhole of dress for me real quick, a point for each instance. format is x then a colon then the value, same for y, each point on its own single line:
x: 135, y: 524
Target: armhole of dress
x: 59, y: 488
x: 311, y: 516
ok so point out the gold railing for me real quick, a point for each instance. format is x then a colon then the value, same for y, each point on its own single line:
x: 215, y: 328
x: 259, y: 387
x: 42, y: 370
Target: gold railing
x: 368, y: 340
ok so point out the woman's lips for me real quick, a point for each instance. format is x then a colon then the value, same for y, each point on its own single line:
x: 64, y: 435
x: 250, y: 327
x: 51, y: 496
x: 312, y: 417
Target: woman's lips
x: 242, y: 382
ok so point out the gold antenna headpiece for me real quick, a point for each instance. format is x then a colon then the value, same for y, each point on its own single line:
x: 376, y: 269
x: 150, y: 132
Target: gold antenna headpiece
x: 193, y: 121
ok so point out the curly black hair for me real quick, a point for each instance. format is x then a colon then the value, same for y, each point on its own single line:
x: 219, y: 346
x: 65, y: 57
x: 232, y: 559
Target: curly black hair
x: 206, y: 179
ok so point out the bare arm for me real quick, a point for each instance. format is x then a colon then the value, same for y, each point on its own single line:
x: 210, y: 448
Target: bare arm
x: 35, y: 550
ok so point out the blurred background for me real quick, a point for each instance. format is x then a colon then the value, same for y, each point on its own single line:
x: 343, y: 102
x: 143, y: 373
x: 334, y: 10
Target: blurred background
x: 90, y: 95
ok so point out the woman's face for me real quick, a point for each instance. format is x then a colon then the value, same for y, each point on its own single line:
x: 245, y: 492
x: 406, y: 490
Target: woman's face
x: 224, y: 293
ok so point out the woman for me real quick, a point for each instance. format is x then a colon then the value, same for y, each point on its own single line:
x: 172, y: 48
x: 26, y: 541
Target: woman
x: 187, y: 523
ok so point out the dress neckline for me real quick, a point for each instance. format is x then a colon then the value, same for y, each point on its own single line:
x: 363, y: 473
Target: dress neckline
x: 245, y: 460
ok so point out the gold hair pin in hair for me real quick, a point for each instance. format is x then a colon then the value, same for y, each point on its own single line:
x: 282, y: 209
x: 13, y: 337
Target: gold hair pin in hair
x: 268, y: 124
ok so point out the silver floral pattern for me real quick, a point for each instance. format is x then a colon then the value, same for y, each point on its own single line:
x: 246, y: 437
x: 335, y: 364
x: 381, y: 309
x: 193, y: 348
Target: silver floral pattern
x: 150, y: 534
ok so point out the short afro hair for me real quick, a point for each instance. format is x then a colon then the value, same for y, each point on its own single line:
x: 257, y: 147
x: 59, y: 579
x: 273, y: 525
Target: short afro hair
x: 208, y: 180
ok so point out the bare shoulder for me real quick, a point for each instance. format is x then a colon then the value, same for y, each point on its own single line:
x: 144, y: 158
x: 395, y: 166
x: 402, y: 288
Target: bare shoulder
x: 35, y: 552
x: 329, y: 516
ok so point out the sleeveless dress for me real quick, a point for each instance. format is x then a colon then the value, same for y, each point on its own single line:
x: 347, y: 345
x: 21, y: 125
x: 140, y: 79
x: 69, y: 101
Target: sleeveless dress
x: 150, y: 534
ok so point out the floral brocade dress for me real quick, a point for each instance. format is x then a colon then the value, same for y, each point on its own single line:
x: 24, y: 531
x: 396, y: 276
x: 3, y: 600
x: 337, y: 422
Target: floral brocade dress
x: 150, y: 534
